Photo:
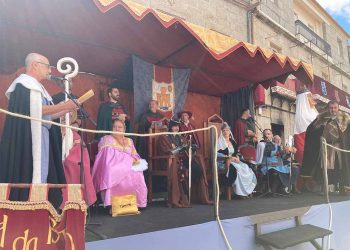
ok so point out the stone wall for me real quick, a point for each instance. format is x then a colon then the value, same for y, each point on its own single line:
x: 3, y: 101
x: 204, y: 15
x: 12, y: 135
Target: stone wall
x: 223, y: 16
x: 281, y: 11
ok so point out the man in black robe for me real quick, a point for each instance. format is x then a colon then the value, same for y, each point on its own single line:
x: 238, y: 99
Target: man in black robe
x: 333, y: 126
x: 110, y: 111
x: 28, y: 149
x: 151, y: 116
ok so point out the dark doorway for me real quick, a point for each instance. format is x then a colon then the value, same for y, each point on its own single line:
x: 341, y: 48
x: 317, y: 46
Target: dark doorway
x: 278, y: 129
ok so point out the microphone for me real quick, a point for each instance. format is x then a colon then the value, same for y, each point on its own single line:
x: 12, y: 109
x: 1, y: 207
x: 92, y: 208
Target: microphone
x: 58, y: 80
x: 251, y: 119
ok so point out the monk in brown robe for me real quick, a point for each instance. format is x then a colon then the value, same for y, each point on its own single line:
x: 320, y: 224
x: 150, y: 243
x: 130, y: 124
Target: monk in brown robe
x: 178, y: 186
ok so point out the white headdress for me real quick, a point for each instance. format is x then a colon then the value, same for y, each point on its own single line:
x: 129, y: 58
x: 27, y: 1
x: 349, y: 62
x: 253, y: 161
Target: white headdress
x: 222, y: 145
x: 304, y: 113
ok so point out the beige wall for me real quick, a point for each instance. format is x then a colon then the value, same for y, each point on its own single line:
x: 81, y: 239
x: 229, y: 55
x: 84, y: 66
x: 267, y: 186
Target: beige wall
x: 223, y: 16
x: 281, y: 11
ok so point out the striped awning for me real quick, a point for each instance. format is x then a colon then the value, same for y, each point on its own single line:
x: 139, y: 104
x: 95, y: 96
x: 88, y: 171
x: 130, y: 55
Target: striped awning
x: 103, y: 35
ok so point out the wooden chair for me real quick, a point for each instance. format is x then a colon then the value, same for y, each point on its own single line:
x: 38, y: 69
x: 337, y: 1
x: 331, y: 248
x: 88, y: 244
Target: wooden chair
x: 217, y: 121
x: 158, y: 165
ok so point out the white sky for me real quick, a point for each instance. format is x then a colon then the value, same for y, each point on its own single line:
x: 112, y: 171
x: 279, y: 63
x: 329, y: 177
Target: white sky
x: 338, y: 7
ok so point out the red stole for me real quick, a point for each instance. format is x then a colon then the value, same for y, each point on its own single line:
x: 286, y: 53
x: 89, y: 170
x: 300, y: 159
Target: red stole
x: 190, y: 127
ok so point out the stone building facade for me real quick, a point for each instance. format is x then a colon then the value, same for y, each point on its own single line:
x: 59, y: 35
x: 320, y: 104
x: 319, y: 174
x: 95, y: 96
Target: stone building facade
x: 301, y: 29
x: 297, y: 28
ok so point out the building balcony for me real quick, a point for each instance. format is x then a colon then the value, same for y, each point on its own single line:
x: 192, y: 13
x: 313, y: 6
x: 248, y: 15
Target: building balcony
x: 305, y: 34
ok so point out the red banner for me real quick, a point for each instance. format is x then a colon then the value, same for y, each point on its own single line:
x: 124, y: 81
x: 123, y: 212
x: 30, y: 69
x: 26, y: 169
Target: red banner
x: 163, y: 90
x: 36, y: 225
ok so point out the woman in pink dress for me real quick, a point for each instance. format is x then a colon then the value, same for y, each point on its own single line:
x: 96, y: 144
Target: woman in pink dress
x: 112, y: 172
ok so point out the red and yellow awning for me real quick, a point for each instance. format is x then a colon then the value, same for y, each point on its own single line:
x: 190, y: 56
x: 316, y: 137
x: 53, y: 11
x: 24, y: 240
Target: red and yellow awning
x: 103, y: 39
x: 217, y: 44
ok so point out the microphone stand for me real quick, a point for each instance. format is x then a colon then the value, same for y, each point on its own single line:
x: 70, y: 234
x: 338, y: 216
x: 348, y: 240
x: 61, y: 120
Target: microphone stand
x: 257, y: 125
x: 84, y: 116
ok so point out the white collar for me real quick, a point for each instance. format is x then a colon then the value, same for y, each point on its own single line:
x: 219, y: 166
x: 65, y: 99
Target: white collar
x: 28, y: 82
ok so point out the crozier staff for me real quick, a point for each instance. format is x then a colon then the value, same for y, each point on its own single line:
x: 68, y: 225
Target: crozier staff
x: 26, y: 151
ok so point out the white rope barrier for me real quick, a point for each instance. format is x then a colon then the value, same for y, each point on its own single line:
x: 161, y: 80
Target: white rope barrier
x: 325, y: 168
x: 325, y: 174
x: 339, y: 149
x: 217, y: 198
x: 218, y: 193
x: 100, y: 131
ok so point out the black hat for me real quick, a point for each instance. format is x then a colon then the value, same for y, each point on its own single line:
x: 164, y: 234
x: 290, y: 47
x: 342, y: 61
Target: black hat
x: 184, y: 112
x: 173, y: 122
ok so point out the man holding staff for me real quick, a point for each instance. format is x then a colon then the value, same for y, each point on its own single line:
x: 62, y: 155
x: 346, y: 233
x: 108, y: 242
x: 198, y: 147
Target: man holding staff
x: 26, y: 150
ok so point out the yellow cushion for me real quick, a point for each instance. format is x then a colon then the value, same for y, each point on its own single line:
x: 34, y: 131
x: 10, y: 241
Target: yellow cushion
x: 124, y: 205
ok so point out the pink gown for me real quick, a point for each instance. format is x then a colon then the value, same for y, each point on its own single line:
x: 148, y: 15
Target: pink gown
x: 112, y: 174
x: 72, y: 171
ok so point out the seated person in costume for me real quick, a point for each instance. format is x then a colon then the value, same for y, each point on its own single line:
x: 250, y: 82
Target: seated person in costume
x: 244, y: 129
x: 111, y: 110
x: 71, y: 163
x: 178, y: 186
x: 153, y: 115
x: 239, y: 175
x: 271, y: 162
x: 186, y: 125
x: 287, y: 155
x: 113, y: 173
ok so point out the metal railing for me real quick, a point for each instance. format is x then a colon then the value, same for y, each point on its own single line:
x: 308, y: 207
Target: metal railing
x: 310, y: 35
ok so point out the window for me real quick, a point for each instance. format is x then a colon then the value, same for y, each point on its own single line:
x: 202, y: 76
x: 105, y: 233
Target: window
x: 278, y: 129
x: 275, y: 48
x: 340, y: 47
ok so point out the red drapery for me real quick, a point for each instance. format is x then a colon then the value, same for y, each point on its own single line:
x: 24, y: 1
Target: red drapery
x: 35, y: 224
